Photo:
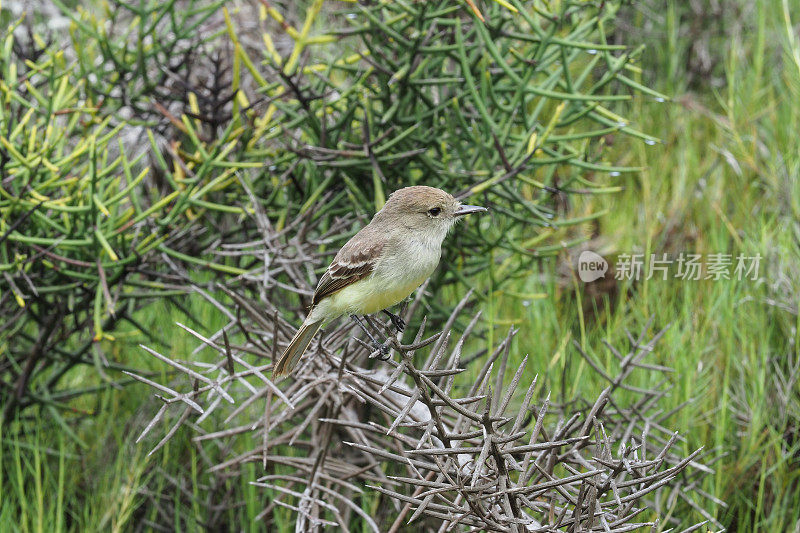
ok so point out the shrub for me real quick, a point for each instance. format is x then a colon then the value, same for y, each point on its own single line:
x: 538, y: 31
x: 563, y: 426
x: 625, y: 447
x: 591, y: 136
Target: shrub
x: 84, y: 229
x: 512, y: 104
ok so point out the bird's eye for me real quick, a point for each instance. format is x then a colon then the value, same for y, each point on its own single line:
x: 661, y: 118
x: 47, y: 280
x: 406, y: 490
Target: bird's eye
x: 434, y: 212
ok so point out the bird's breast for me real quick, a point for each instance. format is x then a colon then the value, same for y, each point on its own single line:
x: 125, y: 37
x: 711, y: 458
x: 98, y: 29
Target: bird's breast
x: 398, y: 273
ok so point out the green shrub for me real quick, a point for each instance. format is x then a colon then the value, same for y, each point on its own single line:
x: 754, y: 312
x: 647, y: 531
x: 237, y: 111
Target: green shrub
x: 83, y: 225
x: 513, y: 108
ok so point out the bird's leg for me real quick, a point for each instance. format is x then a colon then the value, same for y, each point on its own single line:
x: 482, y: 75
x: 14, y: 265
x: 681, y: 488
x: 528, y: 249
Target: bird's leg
x: 382, y: 348
x: 398, y: 322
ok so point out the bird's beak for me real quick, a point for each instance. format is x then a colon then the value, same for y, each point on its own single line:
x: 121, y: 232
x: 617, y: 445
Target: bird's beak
x: 469, y: 209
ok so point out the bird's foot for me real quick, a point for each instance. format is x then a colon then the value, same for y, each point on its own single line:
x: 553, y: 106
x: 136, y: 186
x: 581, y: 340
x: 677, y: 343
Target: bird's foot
x: 382, y: 351
x: 399, y: 323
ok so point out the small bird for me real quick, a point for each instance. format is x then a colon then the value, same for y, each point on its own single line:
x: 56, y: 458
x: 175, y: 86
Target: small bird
x: 382, y: 264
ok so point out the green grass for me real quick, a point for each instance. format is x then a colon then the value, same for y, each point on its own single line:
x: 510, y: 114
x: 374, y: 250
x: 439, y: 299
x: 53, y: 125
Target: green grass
x: 726, y: 179
x: 54, y: 483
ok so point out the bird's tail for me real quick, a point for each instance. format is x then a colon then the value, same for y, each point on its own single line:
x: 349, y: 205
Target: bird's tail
x: 296, y: 348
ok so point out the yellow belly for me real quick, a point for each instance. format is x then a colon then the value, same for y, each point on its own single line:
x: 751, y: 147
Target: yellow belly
x: 371, y: 295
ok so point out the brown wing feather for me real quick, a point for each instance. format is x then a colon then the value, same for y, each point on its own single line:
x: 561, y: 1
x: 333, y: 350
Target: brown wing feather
x: 355, y: 261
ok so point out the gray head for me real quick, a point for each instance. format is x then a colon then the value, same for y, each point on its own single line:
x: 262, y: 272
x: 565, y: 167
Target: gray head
x: 424, y: 209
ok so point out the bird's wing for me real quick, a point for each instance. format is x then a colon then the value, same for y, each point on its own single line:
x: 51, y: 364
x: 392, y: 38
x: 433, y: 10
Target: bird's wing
x: 355, y: 261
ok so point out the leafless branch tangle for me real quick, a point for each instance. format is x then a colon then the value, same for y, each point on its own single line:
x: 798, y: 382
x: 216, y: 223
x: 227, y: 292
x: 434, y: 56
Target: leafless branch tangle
x: 483, y: 460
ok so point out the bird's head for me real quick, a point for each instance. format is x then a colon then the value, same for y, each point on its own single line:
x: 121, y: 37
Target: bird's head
x: 425, y: 210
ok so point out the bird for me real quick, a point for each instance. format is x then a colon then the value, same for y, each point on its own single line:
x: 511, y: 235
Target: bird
x: 382, y: 264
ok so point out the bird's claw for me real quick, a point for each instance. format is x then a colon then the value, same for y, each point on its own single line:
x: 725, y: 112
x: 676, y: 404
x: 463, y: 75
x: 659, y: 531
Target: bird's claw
x: 399, y: 323
x: 382, y: 351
